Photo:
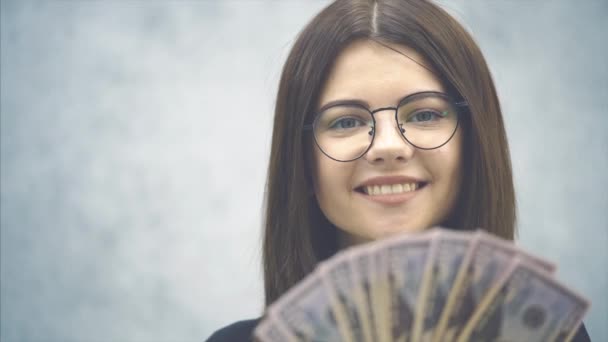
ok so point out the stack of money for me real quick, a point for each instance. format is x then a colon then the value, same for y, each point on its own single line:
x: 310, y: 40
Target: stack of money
x: 439, y: 285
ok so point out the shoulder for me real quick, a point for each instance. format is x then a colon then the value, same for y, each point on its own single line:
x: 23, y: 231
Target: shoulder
x: 581, y: 335
x: 239, y: 331
x: 242, y: 330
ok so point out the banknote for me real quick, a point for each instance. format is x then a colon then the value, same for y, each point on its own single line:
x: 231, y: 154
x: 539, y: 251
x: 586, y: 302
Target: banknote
x: 408, y: 262
x: 526, y: 304
x: 270, y: 330
x: 380, y: 292
x: 361, y: 264
x: 487, y: 260
x: 435, y: 286
x: 337, y: 276
x: 451, y: 250
x: 306, y: 311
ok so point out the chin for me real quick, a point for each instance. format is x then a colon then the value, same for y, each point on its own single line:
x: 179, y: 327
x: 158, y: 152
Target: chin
x: 351, y: 238
x: 399, y: 227
x: 400, y: 230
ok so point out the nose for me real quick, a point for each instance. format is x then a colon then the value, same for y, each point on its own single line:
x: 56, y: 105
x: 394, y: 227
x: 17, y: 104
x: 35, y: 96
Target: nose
x: 389, y: 145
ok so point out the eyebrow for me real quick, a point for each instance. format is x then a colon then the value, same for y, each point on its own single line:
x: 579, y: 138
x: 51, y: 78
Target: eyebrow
x: 349, y: 102
x: 363, y: 103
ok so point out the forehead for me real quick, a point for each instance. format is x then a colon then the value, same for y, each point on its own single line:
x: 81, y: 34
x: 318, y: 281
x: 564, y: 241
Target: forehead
x: 368, y: 71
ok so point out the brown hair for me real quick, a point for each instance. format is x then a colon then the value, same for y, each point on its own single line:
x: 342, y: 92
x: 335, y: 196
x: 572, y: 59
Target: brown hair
x: 297, y: 235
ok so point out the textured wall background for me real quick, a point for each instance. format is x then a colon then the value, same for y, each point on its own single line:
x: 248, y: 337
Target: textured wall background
x: 135, y: 137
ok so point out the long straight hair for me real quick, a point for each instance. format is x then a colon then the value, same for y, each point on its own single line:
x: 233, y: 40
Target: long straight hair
x: 296, y: 233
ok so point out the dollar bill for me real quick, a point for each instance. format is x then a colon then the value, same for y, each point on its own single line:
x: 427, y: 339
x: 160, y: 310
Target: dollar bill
x: 361, y: 264
x: 488, y: 258
x: 380, y: 292
x: 451, y: 250
x: 527, y: 304
x: 337, y: 276
x: 439, y: 285
x: 408, y: 262
x: 306, y: 311
x: 269, y: 330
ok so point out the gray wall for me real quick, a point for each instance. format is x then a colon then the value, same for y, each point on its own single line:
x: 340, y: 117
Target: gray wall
x: 135, y: 136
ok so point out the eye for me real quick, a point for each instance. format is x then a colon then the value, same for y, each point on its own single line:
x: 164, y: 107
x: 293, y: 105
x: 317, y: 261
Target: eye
x: 347, y: 123
x: 427, y: 116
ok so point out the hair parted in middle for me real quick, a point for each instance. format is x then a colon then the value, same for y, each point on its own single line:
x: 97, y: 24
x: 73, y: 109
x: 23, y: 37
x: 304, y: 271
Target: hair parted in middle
x: 296, y: 233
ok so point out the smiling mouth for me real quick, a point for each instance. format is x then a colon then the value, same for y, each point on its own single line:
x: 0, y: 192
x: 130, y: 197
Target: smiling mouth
x: 390, y: 189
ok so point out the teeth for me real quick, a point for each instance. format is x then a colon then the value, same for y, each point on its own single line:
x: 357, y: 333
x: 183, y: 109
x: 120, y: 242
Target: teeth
x: 390, y: 189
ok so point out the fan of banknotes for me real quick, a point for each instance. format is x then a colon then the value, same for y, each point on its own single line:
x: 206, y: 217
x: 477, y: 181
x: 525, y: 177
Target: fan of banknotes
x: 439, y: 285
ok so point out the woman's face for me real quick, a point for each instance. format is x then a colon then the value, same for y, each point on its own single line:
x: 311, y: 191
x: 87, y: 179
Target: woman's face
x: 380, y: 77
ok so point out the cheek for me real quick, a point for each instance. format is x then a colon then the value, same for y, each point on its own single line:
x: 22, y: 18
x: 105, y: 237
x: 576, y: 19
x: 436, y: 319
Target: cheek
x: 449, y: 165
x: 446, y: 164
x: 322, y: 175
x: 331, y: 179
x: 318, y: 172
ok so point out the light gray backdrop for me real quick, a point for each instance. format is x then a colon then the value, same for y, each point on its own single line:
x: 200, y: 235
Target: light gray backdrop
x: 135, y: 137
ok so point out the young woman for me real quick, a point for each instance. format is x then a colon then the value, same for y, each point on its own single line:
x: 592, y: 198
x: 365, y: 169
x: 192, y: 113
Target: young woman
x: 351, y: 160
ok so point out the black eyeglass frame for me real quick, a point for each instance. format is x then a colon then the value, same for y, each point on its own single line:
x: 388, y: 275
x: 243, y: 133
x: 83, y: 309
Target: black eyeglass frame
x: 457, y: 104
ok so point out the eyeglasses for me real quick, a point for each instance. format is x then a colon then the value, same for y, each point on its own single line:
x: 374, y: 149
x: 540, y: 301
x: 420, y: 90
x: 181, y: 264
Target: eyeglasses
x: 345, y: 131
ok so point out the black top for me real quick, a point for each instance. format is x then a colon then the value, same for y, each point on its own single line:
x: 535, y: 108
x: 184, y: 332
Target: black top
x: 242, y: 330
